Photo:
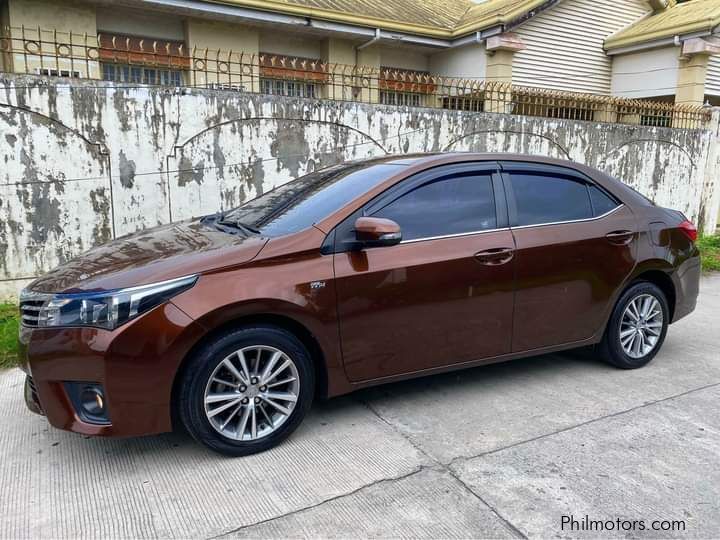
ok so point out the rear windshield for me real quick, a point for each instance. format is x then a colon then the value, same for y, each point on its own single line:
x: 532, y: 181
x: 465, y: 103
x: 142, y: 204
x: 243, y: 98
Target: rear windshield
x: 304, y: 201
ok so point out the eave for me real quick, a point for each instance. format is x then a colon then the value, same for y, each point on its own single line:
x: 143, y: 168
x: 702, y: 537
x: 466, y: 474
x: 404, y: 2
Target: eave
x: 483, y: 23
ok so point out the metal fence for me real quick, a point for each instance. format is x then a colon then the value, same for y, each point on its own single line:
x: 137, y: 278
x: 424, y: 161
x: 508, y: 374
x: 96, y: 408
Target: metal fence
x: 135, y: 61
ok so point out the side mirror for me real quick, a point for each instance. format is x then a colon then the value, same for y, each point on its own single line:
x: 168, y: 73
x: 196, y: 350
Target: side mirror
x: 376, y: 232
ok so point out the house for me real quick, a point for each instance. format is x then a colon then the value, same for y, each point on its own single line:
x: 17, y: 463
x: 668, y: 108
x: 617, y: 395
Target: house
x: 446, y: 53
x: 670, y: 55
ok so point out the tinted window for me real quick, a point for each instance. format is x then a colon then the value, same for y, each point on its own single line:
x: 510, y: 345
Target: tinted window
x: 448, y: 206
x: 548, y: 199
x: 602, y: 202
x: 306, y: 200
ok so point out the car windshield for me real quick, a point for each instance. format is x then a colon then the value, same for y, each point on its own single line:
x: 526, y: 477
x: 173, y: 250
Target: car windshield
x: 304, y: 201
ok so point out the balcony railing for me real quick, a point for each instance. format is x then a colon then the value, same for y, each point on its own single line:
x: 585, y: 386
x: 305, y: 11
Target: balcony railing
x: 135, y: 61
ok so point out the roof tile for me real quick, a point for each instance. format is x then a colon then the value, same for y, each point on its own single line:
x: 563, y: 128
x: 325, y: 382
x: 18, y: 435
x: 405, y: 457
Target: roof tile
x: 441, y: 18
x: 682, y: 18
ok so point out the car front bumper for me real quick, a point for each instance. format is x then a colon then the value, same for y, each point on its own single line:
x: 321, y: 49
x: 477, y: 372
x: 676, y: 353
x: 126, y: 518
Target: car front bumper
x: 136, y: 365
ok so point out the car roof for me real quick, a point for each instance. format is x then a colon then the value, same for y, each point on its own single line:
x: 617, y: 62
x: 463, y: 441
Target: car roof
x: 435, y: 158
x: 432, y: 158
x: 420, y: 161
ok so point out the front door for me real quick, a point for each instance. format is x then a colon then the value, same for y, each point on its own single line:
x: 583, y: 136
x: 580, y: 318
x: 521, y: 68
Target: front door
x: 575, y: 246
x: 445, y: 294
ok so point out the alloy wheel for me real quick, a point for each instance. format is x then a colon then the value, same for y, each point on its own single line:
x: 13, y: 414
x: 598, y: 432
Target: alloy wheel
x: 251, y: 393
x: 641, y: 326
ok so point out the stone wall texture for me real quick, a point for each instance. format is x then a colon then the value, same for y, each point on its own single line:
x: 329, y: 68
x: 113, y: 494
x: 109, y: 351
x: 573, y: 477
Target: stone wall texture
x: 83, y: 163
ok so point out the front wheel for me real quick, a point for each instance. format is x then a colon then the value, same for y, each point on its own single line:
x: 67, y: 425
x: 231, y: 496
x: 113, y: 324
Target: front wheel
x: 247, y: 390
x: 637, y: 327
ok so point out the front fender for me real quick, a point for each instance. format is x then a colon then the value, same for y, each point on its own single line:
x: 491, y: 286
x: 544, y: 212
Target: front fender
x: 301, y: 291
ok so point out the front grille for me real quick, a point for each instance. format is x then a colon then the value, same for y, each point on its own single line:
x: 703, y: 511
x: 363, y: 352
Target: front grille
x: 31, y: 304
x: 30, y: 311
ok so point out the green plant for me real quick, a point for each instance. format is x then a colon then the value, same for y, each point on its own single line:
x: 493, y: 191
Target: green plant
x: 9, y: 322
x: 710, y: 252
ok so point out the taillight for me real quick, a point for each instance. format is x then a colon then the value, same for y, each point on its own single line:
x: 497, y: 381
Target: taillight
x: 689, y: 230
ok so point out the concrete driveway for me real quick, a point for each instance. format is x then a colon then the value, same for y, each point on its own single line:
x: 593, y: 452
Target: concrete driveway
x: 499, y: 451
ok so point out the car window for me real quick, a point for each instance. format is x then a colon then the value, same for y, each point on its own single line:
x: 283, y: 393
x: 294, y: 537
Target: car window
x: 304, y: 201
x: 453, y: 205
x: 542, y: 198
x: 602, y: 202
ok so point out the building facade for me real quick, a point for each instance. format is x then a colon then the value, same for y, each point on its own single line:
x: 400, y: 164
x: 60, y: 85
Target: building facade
x: 397, y: 52
x: 670, y: 54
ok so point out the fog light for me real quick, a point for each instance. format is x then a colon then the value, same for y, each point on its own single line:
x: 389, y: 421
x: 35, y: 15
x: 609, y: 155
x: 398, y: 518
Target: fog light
x: 89, y: 401
x: 92, y: 401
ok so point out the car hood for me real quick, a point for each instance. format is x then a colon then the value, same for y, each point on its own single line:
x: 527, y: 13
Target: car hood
x: 153, y: 255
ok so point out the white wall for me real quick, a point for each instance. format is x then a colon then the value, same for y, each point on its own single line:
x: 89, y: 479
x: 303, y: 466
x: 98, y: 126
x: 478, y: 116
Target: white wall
x: 646, y: 73
x: 403, y: 58
x: 565, y: 44
x: 136, y: 23
x: 278, y: 42
x: 70, y: 20
x: 466, y: 62
x: 65, y: 16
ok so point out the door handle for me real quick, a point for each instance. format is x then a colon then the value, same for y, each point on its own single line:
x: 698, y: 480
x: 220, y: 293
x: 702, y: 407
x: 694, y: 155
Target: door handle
x: 621, y: 238
x: 495, y: 256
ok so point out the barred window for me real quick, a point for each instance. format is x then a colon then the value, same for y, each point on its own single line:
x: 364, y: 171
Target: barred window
x: 126, y: 73
x: 475, y: 103
x: 282, y: 87
x: 291, y: 76
x: 142, y: 60
x: 404, y: 87
x: 658, y: 119
x: 570, y: 113
x: 58, y: 73
x: 404, y: 99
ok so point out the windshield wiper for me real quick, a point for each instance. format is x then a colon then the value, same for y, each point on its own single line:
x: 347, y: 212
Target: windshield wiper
x: 236, y: 224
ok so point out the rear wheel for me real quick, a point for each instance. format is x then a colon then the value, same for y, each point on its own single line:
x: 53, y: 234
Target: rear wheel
x: 247, y: 390
x: 637, y: 327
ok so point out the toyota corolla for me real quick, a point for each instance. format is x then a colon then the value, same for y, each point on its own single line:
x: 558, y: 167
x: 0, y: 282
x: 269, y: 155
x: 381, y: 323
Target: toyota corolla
x: 355, y: 275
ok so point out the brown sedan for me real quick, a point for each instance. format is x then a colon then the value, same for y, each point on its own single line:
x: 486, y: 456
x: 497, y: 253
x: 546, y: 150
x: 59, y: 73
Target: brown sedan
x: 351, y: 276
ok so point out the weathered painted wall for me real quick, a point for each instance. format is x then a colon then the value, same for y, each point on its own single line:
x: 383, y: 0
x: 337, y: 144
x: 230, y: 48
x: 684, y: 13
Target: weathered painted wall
x: 82, y: 164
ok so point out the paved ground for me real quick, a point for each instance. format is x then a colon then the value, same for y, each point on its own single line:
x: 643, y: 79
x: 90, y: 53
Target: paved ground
x: 499, y: 451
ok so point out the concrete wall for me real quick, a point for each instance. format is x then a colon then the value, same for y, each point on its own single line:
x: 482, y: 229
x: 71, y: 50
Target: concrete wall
x: 81, y: 165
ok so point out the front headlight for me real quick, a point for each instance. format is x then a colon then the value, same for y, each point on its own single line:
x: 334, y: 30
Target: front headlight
x: 107, y: 309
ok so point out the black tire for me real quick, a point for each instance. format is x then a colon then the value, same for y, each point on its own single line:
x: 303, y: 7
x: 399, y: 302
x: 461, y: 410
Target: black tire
x: 611, y: 348
x: 201, y: 366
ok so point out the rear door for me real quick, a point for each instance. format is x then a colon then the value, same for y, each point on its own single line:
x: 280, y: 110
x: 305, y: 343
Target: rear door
x: 442, y: 296
x: 575, y: 245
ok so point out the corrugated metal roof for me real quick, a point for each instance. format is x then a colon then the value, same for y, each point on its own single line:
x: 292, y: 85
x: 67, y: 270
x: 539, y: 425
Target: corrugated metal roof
x: 683, y: 18
x: 439, y: 18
